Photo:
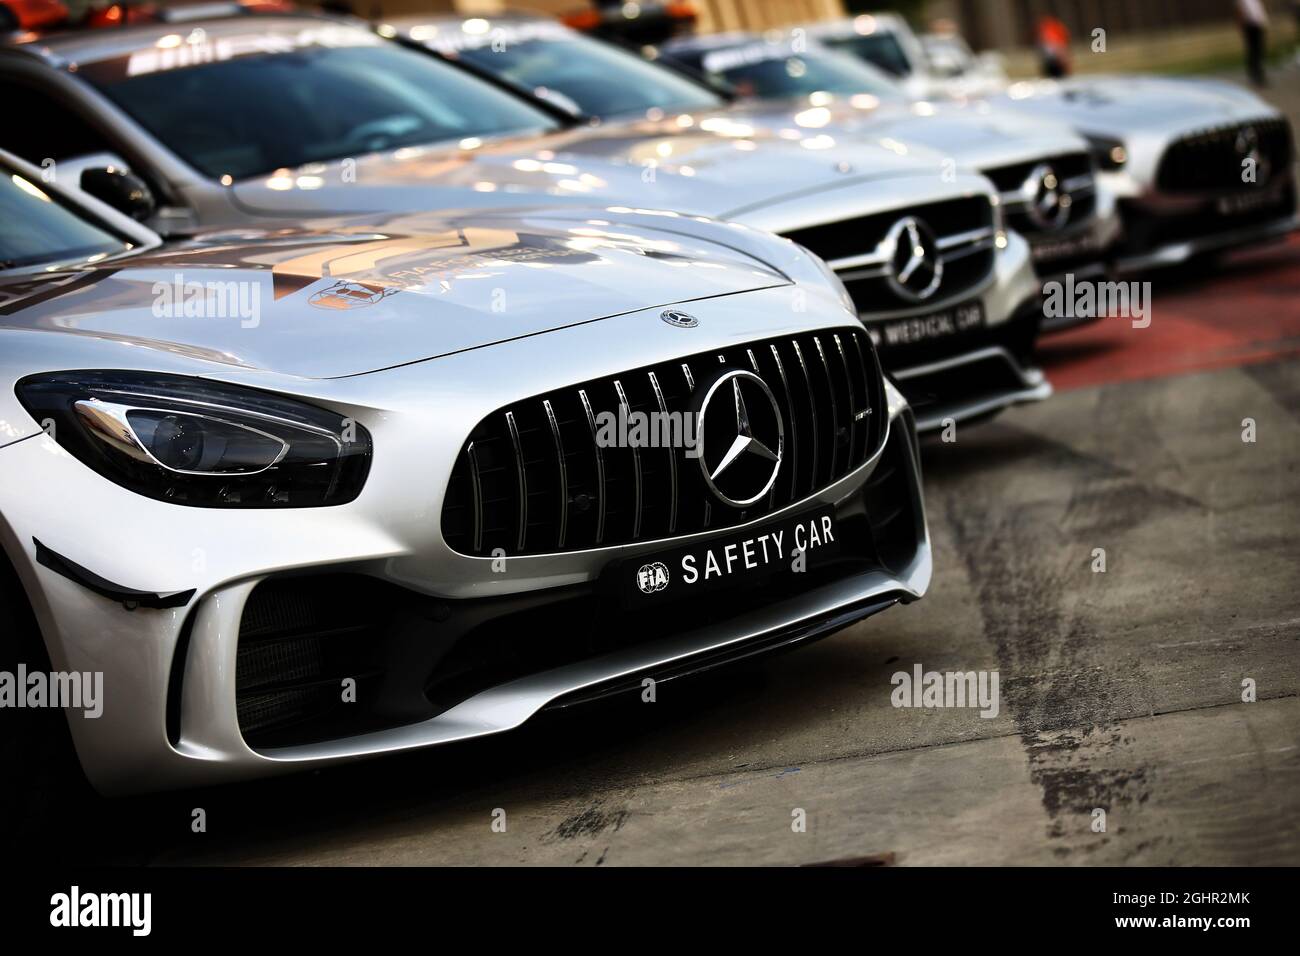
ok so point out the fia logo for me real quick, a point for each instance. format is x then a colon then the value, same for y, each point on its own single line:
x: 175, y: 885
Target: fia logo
x: 652, y: 577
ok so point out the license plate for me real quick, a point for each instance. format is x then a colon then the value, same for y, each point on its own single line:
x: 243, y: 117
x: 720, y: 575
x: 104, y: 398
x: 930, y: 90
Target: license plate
x: 926, y: 328
x: 744, y: 557
x: 1245, y: 202
x: 1046, y: 249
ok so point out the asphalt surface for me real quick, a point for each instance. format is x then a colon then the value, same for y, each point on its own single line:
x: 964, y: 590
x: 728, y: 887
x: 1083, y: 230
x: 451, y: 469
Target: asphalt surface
x: 1120, y: 691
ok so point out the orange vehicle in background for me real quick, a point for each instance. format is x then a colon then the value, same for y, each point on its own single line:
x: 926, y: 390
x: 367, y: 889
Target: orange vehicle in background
x: 30, y: 14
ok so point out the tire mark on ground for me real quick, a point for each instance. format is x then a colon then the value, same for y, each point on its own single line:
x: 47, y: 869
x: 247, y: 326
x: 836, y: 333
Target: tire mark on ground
x: 1066, y: 704
x: 588, y: 822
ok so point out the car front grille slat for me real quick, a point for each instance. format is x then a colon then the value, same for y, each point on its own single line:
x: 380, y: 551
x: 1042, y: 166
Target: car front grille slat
x: 671, y: 453
x: 792, y: 424
x: 638, y: 499
x: 521, y: 499
x: 835, y: 412
x: 971, y: 248
x: 562, y: 486
x: 852, y: 403
x: 812, y: 414
x: 599, y: 460
x: 536, y: 477
x: 477, y: 486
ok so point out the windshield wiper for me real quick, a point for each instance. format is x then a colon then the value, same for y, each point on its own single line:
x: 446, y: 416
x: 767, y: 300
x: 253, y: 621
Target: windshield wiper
x: 565, y: 118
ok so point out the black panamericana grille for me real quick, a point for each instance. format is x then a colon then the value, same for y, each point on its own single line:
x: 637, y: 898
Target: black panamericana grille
x: 966, y: 263
x: 532, y: 477
x: 1072, y: 169
x: 1210, y: 160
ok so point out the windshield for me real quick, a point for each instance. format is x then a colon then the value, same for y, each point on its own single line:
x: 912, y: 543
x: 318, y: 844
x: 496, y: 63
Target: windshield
x: 879, y: 49
x: 773, y: 74
x: 600, y: 80
x: 35, y: 227
x: 250, y: 115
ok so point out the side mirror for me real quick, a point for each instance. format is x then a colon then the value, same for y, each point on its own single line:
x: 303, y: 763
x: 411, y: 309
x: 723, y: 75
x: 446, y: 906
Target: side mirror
x: 123, y: 190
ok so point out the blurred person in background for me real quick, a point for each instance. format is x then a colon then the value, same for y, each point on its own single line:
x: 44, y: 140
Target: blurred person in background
x: 1295, y: 14
x: 1053, y: 46
x: 1254, y: 31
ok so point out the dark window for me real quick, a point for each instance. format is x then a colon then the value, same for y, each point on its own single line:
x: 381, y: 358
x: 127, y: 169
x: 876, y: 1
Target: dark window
x: 600, y: 80
x: 253, y: 114
x: 878, y: 49
x: 800, y: 74
x: 37, y: 126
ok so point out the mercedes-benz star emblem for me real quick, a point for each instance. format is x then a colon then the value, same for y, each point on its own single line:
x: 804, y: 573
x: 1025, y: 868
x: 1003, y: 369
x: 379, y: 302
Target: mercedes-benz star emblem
x: 741, y: 438
x: 1046, y: 202
x: 679, y: 319
x: 1247, y: 147
x: 915, y: 265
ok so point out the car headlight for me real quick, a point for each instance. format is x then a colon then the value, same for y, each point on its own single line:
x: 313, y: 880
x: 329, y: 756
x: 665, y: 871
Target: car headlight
x: 832, y: 280
x: 1109, y: 154
x: 205, y: 444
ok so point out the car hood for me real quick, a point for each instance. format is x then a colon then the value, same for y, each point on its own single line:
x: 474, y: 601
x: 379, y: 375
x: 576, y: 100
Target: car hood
x: 1121, y: 106
x: 982, y: 135
x: 356, y: 297
x: 719, y: 165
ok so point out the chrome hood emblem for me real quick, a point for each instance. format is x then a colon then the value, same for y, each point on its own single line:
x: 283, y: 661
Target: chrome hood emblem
x: 1046, y: 201
x: 1247, y: 147
x: 679, y: 319
x: 741, y: 438
x: 915, y: 263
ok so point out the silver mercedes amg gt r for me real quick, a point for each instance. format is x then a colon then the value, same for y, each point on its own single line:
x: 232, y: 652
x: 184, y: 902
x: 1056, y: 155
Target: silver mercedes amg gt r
x: 1198, y: 166
x: 361, y: 124
x: 304, y: 496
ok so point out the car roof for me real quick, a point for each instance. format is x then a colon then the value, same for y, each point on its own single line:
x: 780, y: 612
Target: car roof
x: 454, y: 27
x: 451, y: 33
x: 712, y: 41
x: 736, y: 40
x: 451, y: 16
x: 878, y: 22
x: 62, y: 48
